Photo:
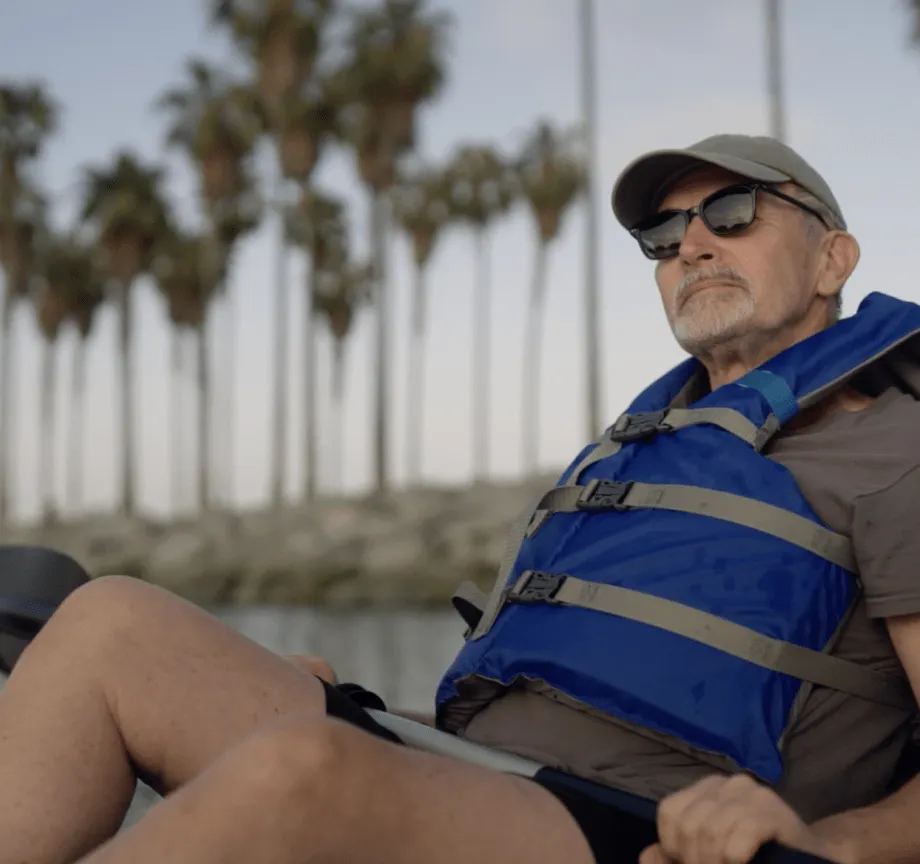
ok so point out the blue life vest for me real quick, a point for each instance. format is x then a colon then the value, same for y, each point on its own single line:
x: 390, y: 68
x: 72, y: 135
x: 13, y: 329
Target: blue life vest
x: 677, y: 579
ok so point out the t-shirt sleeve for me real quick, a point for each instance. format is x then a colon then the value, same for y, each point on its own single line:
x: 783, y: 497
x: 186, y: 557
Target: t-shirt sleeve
x: 886, y: 540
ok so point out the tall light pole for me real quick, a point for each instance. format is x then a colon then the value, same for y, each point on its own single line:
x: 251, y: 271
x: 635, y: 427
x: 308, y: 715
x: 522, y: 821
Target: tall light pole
x: 592, y: 277
x: 775, y: 70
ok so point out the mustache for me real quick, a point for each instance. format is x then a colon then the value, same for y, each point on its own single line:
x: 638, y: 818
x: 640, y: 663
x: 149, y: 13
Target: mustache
x: 729, y: 274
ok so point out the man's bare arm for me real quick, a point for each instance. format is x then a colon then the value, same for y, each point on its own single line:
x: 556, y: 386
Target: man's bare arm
x: 888, y: 831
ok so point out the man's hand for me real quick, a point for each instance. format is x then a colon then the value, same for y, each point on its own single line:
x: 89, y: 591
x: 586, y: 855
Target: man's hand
x: 725, y: 820
x: 314, y: 665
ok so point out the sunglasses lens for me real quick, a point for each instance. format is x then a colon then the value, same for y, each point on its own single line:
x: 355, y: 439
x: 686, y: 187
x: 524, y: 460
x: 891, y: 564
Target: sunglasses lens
x: 729, y: 211
x: 726, y: 212
x: 660, y: 235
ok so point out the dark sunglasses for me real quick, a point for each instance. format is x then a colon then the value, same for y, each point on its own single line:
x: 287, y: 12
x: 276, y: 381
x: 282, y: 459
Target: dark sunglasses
x: 726, y: 212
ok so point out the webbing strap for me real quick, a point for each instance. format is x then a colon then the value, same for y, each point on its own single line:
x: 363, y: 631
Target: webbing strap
x: 719, y: 633
x: 513, y: 541
x: 725, y: 418
x: 469, y: 602
x: 601, y: 495
x: 606, y: 446
x: 775, y: 390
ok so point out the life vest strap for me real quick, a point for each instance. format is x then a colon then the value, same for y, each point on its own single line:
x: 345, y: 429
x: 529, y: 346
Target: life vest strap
x: 467, y: 598
x: 725, y: 418
x: 639, y: 427
x: 604, y: 495
x: 786, y: 658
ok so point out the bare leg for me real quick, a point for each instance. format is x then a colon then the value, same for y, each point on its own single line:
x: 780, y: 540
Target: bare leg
x: 125, y: 676
x: 320, y: 792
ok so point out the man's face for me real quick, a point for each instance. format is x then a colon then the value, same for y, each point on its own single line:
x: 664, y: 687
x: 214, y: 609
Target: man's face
x: 745, y: 287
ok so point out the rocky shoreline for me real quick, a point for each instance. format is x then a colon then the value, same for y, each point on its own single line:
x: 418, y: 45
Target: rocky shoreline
x: 411, y: 548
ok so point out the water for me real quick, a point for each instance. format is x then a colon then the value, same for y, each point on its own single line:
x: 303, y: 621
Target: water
x: 399, y: 654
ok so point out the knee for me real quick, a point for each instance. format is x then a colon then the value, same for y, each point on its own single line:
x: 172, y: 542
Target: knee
x: 105, y: 607
x: 311, y: 762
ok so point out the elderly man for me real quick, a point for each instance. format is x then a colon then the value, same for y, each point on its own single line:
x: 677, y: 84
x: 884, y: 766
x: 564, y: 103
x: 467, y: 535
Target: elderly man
x: 716, y: 607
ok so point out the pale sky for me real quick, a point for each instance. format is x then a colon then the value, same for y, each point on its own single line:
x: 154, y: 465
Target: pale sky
x: 671, y: 73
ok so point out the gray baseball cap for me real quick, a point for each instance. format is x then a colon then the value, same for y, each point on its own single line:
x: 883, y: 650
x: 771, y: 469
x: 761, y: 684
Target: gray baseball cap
x: 642, y: 185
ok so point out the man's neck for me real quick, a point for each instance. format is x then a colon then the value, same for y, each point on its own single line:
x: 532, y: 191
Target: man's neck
x: 729, y: 362
x: 733, y: 359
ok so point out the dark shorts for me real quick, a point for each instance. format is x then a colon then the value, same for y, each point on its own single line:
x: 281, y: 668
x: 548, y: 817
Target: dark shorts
x: 612, y: 838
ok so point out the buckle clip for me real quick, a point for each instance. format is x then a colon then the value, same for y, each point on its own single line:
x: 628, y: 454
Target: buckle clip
x: 537, y: 586
x: 604, y: 495
x: 638, y: 427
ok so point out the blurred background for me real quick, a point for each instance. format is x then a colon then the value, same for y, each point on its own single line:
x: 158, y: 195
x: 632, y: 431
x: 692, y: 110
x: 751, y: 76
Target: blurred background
x: 303, y: 299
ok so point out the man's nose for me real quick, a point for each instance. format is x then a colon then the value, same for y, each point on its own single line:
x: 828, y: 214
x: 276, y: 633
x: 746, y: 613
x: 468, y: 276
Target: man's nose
x: 698, y: 243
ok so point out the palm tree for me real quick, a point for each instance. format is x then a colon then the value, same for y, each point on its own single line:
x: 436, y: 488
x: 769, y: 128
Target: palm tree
x: 217, y: 122
x: 87, y: 292
x: 282, y: 39
x: 308, y: 121
x: 125, y: 206
x: 28, y: 117
x: 178, y: 288
x: 318, y: 226
x: 421, y: 206
x: 482, y: 187
x: 338, y: 294
x: 188, y: 272
x: 592, y: 358
x: 53, y: 304
x: 914, y: 6
x: 552, y: 175
x: 775, y: 70
x: 394, y: 63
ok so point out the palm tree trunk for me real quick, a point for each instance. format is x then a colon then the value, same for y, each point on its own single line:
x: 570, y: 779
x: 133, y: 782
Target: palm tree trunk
x: 415, y: 392
x: 126, y: 381
x: 775, y: 70
x: 533, y: 357
x: 482, y: 336
x: 228, y: 367
x: 309, y: 391
x: 6, y: 402
x: 75, y: 458
x: 379, y: 222
x: 204, y: 420
x: 337, y: 415
x: 176, y: 438
x: 188, y: 389
x: 46, y: 449
x: 279, y: 439
x: 592, y: 357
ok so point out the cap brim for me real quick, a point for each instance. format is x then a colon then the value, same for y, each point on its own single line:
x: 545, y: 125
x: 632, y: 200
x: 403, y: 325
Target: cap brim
x: 644, y: 182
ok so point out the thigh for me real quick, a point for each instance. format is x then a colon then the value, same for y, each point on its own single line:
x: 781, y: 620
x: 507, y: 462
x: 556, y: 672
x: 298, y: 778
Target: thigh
x: 612, y: 837
x: 179, y: 686
x: 326, y: 791
x: 429, y: 808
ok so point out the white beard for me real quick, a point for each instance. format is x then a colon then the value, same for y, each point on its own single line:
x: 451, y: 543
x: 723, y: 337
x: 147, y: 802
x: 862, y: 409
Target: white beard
x: 713, y: 317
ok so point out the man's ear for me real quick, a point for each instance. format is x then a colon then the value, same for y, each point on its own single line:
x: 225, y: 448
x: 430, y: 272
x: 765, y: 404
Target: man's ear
x: 839, y: 257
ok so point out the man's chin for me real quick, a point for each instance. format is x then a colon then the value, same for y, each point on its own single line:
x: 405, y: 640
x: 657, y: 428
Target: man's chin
x: 698, y: 341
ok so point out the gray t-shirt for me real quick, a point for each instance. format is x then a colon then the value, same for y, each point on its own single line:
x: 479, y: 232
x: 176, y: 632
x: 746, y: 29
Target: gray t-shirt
x: 860, y: 472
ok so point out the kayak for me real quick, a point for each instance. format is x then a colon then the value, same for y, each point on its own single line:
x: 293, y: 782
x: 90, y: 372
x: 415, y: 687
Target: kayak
x: 34, y: 581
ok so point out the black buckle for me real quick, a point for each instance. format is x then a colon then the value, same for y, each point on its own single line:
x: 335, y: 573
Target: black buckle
x: 604, y: 495
x: 539, y: 587
x: 637, y: 427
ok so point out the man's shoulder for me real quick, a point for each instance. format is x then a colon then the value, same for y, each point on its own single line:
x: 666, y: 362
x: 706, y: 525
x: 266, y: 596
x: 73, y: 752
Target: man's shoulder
x: 889, y: 425
x: 848, y: 456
